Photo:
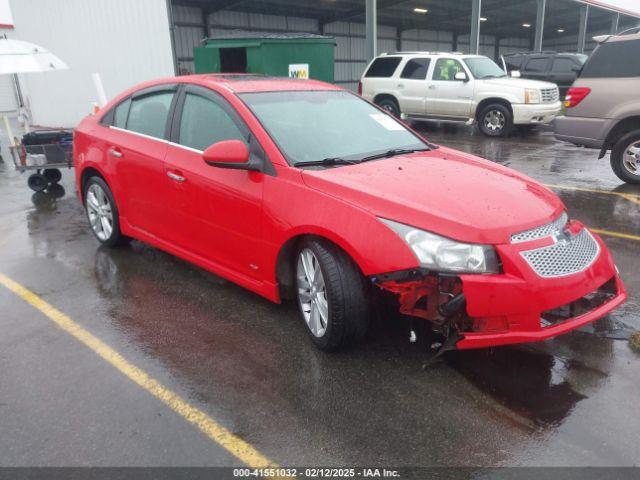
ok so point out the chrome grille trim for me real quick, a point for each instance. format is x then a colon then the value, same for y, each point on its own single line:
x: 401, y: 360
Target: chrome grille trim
x: 543, y: 231
x: 565, y: 257
x: 549, y: 95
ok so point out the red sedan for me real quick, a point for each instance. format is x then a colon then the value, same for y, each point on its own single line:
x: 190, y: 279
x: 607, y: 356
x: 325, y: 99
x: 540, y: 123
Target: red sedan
x: 300, y: 189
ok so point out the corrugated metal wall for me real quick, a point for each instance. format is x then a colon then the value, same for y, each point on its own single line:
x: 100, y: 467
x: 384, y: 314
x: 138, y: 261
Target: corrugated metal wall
x: 350, y: 53
x: 125, y: 41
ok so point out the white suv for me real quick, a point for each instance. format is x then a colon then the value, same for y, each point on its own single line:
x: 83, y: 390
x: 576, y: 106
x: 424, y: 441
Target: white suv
x: 457, y: 87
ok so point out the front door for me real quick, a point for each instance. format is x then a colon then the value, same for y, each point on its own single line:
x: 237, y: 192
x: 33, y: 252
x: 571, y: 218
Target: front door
x: 216, y: 213
x: 448, y: 97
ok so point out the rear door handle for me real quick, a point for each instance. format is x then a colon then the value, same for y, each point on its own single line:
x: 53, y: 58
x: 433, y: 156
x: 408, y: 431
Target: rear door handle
x: 114, y: 152
x: 176, y: 177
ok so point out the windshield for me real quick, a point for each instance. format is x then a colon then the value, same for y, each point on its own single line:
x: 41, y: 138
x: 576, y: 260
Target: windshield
x: 483, y: 67
x: 309, y: 126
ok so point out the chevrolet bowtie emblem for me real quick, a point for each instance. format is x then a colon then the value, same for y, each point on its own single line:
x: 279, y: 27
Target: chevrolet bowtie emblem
x: 561, y: 237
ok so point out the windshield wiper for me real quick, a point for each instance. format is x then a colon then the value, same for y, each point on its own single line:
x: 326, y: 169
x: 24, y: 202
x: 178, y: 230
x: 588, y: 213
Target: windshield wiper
x: 325, y: 162
x: 492, y: 76
x: 393, y: 153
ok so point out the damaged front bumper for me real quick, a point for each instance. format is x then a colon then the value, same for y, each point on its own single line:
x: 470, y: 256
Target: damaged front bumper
x: 521, y: 304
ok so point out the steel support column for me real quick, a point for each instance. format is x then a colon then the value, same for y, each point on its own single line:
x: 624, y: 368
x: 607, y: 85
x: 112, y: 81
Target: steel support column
x: 474, y: 37
x: 371, y: 28
x: 615, y: 21
x: 582, y: 28
x: 542, y: 5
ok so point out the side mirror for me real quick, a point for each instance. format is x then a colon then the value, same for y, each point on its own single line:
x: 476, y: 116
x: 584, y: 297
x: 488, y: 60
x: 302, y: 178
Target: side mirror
x: 515, y: 73
x: 461, y: 76
x: 575, y: 68
x: 229, y: 154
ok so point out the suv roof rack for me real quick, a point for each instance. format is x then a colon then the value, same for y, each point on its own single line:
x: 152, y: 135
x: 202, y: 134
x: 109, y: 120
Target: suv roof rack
x: 421, y: 52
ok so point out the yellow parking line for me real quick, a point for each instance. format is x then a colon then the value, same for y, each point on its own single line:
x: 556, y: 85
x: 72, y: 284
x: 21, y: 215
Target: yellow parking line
x: 627, y: 236
x: 627, y: 196
x: 212, y: 429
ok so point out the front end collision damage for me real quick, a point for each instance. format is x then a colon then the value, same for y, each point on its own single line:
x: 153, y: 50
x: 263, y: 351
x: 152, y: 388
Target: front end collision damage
x: 515, y: 306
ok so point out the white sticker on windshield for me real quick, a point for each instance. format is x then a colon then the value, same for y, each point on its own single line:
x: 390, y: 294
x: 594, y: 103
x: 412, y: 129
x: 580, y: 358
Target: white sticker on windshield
x: 386, y: 121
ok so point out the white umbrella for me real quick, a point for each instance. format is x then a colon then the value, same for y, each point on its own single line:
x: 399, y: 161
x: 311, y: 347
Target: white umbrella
x: 17, y: 56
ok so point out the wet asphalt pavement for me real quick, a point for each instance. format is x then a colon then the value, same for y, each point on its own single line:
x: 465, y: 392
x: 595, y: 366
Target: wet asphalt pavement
x: 248, y: 363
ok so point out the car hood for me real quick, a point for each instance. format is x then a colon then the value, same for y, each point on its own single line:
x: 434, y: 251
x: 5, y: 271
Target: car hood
x: 453, y: 194
x: 518, y: 82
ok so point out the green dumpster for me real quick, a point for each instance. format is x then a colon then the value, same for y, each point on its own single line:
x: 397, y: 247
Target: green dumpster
x: 298, y: 55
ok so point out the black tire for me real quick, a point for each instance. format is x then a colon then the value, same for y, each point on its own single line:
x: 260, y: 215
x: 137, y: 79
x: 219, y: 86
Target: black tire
x: 53, y: 175
x: 347, y: 295
x: 116, y: 238
x: 622, y: 171
x: 390, y: 105
x: 499, y: 111
x: 37, y: 182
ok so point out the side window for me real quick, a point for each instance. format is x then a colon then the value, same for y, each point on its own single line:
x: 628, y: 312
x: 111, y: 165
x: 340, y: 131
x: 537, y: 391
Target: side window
x: 446, y: 69
x: 563, y: 65
x: 121, y: 113
x: 513, y: 62
x: 383, y: 67
x: 148, y: 114
x: 204, y: 123
x: 537, y: 64
x: 416, y: 68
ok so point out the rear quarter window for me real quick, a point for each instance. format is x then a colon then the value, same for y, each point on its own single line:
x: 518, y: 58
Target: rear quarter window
x: 383, y: 67
x: 614, y: 59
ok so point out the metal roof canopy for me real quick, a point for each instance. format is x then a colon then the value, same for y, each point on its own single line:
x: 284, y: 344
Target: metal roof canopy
x: 505, y: 18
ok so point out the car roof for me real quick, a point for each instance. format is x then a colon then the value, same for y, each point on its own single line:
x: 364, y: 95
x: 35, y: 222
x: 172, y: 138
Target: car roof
x: 245, y: 83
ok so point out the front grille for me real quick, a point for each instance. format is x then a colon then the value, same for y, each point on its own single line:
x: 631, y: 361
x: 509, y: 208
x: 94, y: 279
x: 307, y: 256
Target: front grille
x: 550, y: 95
x: 565, y: 257
x: 547, y: 230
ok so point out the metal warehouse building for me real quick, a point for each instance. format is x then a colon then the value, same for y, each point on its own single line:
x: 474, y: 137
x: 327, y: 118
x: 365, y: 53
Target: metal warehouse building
x: 127, y: 41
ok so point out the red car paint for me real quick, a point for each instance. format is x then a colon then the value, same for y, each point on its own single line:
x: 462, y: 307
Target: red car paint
x: 236, y: 223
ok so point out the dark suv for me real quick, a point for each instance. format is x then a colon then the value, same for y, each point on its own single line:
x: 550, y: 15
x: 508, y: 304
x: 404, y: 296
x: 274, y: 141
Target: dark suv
x: 559, y: 68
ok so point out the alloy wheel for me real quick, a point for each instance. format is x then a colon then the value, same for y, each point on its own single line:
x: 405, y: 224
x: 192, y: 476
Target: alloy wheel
x: 631, y: 158
x: 494, y: 121
x: 100, y: 212
x: 312, y: 293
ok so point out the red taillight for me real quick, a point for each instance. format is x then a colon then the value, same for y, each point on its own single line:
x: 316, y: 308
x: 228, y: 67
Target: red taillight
x: 575, y: 95
x: 359, y: 88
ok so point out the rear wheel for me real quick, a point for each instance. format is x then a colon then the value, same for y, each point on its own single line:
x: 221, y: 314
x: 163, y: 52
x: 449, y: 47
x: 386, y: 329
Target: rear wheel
x: 102, y: 213
x: 332, y: 295
x: 495, y: 120
x: 390, y: 105
x: 625, y: 158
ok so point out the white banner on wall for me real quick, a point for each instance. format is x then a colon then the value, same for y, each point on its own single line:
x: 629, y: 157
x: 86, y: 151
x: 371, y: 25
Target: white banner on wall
x: 6, y: 18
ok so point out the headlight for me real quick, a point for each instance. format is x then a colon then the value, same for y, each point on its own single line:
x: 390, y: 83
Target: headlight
x: 442, y: 254
x: 531, y: 95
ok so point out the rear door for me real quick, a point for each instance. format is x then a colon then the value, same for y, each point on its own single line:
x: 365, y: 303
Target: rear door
x: 448, y: 97
x: 413, y: 84
x: 563, y: 72
x: 136, y: 146
x: 215, y: 213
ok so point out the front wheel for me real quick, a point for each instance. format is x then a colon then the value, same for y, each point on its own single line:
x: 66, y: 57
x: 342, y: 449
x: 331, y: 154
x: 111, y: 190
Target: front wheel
x: 495, y: 120
x: 625, y: 158
x: 332, y: 295
x: 102, y: 213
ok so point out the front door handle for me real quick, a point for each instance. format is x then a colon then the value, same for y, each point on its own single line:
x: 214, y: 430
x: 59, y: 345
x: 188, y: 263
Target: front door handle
x: 176, y: 177
x: 114, y: 152
x: 432, y: 87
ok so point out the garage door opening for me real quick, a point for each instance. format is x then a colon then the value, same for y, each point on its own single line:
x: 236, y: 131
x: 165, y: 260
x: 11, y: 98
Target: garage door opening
x: 233, y: 60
